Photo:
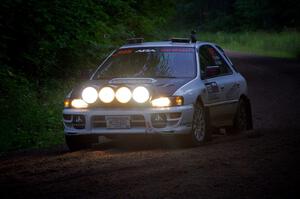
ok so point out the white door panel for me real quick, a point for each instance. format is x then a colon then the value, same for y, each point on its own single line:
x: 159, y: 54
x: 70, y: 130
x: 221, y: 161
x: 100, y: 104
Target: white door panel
x: 222, y: 85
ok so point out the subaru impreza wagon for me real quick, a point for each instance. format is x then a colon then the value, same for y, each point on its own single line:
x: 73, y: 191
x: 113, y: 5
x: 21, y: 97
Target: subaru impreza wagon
x: 175, y: 87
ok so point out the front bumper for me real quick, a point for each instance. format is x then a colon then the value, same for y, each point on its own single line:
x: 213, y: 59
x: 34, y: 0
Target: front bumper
x: 178, y: 120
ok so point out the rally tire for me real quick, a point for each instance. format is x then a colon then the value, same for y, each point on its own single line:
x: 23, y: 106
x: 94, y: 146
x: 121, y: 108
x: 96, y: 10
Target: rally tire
x: 201, y: 132
x: 243, y: 118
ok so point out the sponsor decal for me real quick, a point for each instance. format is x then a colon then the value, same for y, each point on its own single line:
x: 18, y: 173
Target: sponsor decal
x: 213, y: 96
x: 212, y: 90
x: 132, y: 81
x: 145, y: 51
x: 233, y: 92
x: 176, y: 50
x: 123, y: 52
x: 212, y: 87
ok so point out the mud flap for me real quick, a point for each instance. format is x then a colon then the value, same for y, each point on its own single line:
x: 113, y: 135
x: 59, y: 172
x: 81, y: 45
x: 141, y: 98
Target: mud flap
x: 208, y: 124
x: 249, y: 114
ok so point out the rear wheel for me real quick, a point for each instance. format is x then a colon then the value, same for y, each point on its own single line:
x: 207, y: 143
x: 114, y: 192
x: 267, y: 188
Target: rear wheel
x: 200, y: 126
x: 242, y: 119
x: 77, y: 142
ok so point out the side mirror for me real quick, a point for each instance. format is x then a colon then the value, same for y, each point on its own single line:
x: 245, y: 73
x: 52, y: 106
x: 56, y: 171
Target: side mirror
x: 212, y: 71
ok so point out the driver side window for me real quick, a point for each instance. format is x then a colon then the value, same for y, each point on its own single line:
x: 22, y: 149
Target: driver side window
x: 211, y: 63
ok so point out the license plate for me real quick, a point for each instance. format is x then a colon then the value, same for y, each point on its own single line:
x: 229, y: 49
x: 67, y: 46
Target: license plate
x: 117, y: 122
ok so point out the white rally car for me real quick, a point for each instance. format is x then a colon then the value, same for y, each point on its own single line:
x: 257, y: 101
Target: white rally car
x: 171, y: 87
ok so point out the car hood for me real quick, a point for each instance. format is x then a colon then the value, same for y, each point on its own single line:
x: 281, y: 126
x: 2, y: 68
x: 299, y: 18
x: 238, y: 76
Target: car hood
x: 157, y: 86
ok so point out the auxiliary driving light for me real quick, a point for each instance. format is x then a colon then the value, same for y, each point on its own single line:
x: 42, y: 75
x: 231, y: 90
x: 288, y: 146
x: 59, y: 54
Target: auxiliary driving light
x: 79, y: 103
x: 107, y: 95
x: 89, y: 95
x: 123, y: 95
x: 140, y: 94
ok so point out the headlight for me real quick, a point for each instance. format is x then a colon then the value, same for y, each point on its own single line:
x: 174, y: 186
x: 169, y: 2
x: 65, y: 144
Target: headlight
x: 79, y: 103
x: 123, y: 95
x: 89, y: 95
x: 106, y: 94
x: 140, y: 94
x: 161, y: 102
x: 167, y: 101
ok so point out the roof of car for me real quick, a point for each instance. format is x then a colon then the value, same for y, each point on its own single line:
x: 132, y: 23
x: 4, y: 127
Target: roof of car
x: 163, y: 43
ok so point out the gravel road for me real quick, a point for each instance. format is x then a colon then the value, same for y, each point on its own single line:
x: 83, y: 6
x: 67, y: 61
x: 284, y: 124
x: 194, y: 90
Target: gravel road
x: 263, y: 163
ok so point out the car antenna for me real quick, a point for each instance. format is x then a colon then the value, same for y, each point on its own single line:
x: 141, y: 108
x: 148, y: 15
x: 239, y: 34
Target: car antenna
x: 193, y: 36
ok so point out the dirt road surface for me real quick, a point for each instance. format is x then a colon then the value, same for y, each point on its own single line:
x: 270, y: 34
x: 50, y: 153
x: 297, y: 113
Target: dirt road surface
x: 259, y: 164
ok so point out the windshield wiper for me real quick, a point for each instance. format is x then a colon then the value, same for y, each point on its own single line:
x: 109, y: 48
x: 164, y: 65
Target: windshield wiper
x: 106, y: 78
x: 171, y: 77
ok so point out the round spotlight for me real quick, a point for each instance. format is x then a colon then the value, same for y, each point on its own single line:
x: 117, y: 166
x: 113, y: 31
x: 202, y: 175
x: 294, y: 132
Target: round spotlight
x: 89, y: 95
x: 123, y: 95
x: 107, y: 94
x: 140, y: 94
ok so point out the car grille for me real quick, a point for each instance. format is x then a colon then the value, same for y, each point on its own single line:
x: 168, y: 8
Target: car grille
x: 136, y: 121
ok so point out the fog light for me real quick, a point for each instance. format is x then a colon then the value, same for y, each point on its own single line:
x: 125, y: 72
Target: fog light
x: 159, y: 120
x: 78, y: 121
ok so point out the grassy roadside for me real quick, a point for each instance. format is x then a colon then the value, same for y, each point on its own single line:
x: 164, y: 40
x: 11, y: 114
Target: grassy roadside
x: 281, y: 44
x: 30, y: 119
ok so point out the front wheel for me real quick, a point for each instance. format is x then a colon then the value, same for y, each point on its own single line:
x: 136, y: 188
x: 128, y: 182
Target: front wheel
x: 77, y: 142
x: 200, y: 127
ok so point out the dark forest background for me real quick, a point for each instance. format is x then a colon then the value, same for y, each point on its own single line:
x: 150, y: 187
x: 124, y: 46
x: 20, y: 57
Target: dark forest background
x: 240, y: 15
x: 45, y: 46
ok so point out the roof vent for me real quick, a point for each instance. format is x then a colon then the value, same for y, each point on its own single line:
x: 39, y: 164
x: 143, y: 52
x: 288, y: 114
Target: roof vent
x: 193, y: 36
x: 135, y: 40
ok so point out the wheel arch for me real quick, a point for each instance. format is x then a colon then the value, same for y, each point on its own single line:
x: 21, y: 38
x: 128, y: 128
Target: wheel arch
x: 206, y: 109
x: 199, y: 99
x: 248, y: 109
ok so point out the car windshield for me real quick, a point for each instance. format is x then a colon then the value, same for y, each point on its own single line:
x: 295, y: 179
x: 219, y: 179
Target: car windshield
x: 158, y: 62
